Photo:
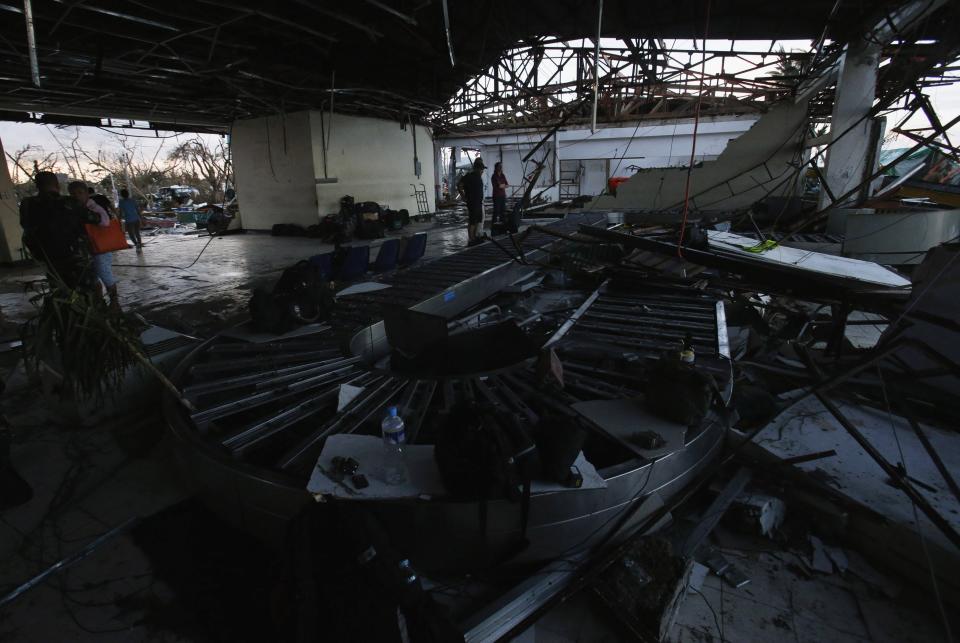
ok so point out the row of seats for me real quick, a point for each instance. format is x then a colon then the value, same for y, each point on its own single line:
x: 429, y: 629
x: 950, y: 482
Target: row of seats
x: 356, y: 263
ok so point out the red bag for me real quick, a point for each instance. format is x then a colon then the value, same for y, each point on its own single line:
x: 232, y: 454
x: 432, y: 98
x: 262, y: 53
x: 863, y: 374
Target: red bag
x: 106, y: 239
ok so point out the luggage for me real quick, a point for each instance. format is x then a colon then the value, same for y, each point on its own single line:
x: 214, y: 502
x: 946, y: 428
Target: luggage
x: 392, y: 219
x: 368, y: 208
x: 370, y: 229
x: 298, y: 277
x: 108, y: 239
x: 679, y: 392
x: 481, y: 454
x: 299, y: 297
x: 271, y: 314
x: 288, y: 230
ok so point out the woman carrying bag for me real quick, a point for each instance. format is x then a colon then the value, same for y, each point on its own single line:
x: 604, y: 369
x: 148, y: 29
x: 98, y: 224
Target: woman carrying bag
x: 105, y: 237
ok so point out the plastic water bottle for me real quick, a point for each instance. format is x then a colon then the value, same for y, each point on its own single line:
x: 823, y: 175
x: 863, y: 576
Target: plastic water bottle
x: 394, y: 439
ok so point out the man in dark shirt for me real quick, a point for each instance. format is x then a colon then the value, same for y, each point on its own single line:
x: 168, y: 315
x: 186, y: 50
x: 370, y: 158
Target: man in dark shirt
x: 53, y: 232
x: 471, y: 186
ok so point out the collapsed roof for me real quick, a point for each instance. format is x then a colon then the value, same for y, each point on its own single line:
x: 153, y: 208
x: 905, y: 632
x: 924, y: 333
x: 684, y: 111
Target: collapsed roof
x: 209, y: 62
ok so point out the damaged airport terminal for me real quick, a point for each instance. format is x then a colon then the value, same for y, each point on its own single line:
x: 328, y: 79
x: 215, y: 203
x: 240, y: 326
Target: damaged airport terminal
x: 697, y: 380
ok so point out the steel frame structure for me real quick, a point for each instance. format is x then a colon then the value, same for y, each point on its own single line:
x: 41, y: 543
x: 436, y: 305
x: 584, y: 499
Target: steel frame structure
x: 545, y: 80
x: 541, y: 79
x: 207, y: 63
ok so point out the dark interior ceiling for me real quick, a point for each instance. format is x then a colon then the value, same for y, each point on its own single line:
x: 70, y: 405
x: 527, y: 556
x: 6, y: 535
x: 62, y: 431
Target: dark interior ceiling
x: 208, y: 62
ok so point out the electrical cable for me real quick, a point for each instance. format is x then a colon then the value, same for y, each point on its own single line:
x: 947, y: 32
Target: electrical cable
x: 145, y: 265
x: 910, y: 258
x: 886, y: 227
x: 626, y: 148
x: 693, y: 142
x: 125, y: 134
x: 716, y: 621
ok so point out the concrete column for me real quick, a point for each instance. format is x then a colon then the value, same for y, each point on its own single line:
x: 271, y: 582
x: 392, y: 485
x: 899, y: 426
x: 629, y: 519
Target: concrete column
x: 438, y: 172
x: 11, y: 236
x: 852, y: 157
x: 452, y: 172
x: 554, y: 192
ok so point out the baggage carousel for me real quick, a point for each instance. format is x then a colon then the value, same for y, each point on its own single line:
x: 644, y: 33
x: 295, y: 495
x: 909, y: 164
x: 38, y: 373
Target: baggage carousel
x: 262, y: 412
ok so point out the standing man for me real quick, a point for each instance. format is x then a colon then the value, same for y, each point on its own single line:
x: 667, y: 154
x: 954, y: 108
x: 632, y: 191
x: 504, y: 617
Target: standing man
x: 130, y: 211
x: 500, y: 184
x: 103, y: 262
x: 471, y: 186
x: 53, y: 232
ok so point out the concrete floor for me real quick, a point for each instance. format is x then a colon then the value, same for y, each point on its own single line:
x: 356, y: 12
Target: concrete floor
x: 88, y: 480
x: 163, y: 286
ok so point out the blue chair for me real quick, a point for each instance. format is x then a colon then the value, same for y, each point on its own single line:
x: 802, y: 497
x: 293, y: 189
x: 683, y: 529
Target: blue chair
x: 355, y: 263
x: 324, y: 265
x: 416, y: 246
x: 387, y: 256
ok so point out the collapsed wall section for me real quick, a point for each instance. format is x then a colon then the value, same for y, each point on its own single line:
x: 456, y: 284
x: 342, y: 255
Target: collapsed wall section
x: 753, y: 166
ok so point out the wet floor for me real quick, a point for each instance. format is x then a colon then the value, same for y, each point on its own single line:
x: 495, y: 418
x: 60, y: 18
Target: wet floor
x: 197, y: 284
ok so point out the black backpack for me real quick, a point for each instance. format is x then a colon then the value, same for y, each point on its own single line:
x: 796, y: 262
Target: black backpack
x: 370, y: 230
x: 482, y: 454
x: 679, y: 392
x: 288, y: 230
x: 299, y: 297
x: 300, y: 276
x: 272, y: 313
x: 368, y: 207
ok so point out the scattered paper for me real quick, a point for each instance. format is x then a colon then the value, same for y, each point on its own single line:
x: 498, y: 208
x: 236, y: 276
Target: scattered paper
x: 347, y: 393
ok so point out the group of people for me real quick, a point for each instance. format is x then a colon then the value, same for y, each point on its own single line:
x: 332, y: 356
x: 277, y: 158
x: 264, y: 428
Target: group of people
x: 55, y: 232
x: 471, y: 187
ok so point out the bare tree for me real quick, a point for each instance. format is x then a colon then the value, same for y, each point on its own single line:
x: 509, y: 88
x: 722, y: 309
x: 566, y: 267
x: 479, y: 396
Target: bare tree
x: 125, y: 162
x: 71, y: 155
x: 209, y: 162
x: 128, y: 167
x: 27, y: 156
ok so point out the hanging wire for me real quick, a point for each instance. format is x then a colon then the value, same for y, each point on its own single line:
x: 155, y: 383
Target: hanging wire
x: 693, y: 142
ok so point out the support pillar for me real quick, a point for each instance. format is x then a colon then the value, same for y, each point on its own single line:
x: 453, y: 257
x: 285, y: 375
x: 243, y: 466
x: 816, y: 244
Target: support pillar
x: 452, y: 170
x: 852, y: 157
x: 11, y: 236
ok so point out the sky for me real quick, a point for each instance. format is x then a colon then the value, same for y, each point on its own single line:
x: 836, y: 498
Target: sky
x: 149, y: 147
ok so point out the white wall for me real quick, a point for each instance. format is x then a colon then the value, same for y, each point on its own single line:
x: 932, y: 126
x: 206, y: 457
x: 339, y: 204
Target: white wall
x: 273, y: 162
x: 664, y: 143
x: 278, y: 161
x: 594, y: 177
x: 11, y: 235
x: 515, y: 169
x: 372, y: 160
